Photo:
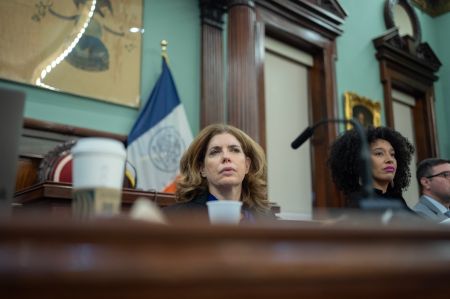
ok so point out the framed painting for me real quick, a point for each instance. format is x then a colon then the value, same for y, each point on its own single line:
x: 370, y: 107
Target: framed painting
x: 83, y: 47
x: 364, y: 110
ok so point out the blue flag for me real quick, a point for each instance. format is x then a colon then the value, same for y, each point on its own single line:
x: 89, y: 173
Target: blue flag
x: 159, y: 137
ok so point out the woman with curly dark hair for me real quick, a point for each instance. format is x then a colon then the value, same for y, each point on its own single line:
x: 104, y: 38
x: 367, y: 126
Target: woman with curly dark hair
x: 223, y: 163
x: 390, y: 154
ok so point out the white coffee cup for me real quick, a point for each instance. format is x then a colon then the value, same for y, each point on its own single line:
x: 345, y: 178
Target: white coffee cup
x: 97, y: 177
x: 224, y: 211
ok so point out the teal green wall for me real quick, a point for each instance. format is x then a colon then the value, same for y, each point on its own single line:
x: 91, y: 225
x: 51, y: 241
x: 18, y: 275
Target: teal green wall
x: 357, y: 68
x: 441, y: 44
x: 177, y: 21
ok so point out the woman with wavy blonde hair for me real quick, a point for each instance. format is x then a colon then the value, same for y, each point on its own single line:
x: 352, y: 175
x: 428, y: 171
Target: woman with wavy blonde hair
x: 223, y: 163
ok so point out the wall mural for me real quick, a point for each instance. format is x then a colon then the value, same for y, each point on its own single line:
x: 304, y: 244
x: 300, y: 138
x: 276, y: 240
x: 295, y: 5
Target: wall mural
x: 84, y: 47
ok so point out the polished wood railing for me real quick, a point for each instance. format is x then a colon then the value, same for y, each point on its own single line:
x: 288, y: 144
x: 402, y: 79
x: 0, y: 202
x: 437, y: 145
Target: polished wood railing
x: 120, y: 258
x: 56, y: 198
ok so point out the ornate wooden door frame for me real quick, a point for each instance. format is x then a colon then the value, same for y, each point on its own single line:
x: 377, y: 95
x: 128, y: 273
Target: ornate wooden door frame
x: 311, y: 26
x: 409, y: 65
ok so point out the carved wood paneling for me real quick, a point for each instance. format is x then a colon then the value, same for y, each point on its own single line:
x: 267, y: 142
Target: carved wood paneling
x: 323, y: 97
x: 241, y: 84
x: 389, y: 20
x: 46, y: 126
x: 27, y: 172
x: 307, y: 30
x: 56, y: 198
x: 311, y: 26
x: 411, y: 68
x: 122, y: 258
x: 212, y: 103
x: 39, y: 137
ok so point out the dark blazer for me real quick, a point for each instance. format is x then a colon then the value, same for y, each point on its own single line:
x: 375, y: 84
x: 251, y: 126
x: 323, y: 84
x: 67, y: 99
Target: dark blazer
x: 354, y: 198
x: 198, y: 203
x: 426, y: 209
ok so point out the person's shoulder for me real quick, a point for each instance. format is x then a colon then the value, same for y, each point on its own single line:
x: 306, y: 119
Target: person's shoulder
x: 426, y: 208
x: 355, y: 200
x: 426, y: 204
x: 420, y: 205
x: 197, y: 203
x: 266, y: 214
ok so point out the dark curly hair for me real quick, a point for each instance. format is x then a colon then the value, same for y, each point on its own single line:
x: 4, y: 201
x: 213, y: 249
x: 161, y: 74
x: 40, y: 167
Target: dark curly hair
x: 345, y: 164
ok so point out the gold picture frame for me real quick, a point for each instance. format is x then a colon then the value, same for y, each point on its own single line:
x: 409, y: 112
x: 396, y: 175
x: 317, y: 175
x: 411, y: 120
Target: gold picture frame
x: 364, y: 110
x: 86, y: 48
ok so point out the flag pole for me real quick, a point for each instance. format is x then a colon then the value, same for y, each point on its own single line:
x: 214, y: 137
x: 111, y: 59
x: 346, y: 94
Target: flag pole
x: 162, y: 119
x: 164, y: 44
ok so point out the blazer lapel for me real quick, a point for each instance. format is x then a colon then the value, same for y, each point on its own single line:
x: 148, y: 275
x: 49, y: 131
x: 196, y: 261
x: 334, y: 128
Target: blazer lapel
x: 432, y: 207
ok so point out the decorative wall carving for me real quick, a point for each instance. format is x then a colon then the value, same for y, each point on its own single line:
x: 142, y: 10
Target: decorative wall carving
x: 332, y: 6
x: 422, y: 52
x: 411, y: 45
x: 410, y: 66
x: 390, y: 21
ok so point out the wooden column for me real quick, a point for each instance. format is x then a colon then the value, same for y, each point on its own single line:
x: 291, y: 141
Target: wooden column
x: 241, y: 85
x: 212, y: 101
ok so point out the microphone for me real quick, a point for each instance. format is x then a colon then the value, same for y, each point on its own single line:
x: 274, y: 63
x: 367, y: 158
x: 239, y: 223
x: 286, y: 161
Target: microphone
x: 307, y: 133
x: 368, y: 202
x: 366, y: 174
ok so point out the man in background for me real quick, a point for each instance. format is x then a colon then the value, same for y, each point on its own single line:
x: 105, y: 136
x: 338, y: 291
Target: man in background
x: 433, y: 176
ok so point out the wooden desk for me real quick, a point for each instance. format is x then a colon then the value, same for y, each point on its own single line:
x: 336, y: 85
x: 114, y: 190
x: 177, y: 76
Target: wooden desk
x: 123, y: 259
x: 56, y: 198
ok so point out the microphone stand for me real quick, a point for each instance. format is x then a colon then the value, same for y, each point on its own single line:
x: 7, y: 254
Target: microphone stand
x: 368, y: 201
x: 366, y: 173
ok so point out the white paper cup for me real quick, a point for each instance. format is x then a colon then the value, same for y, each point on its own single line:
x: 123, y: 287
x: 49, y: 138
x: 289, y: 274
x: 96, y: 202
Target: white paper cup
x: 224, y: 211
x: 98, y: 162
x: 97, y: 177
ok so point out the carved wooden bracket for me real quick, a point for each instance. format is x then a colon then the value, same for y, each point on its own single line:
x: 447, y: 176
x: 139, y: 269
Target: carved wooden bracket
x: 402, y: 50
x: 412, y: 46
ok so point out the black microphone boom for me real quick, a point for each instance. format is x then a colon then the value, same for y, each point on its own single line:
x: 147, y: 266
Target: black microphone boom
x: 307, y: 133
x: 366, y: 173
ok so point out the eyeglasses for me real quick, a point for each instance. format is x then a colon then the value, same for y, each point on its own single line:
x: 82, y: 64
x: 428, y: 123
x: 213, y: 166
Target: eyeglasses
x: 444, y: 174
